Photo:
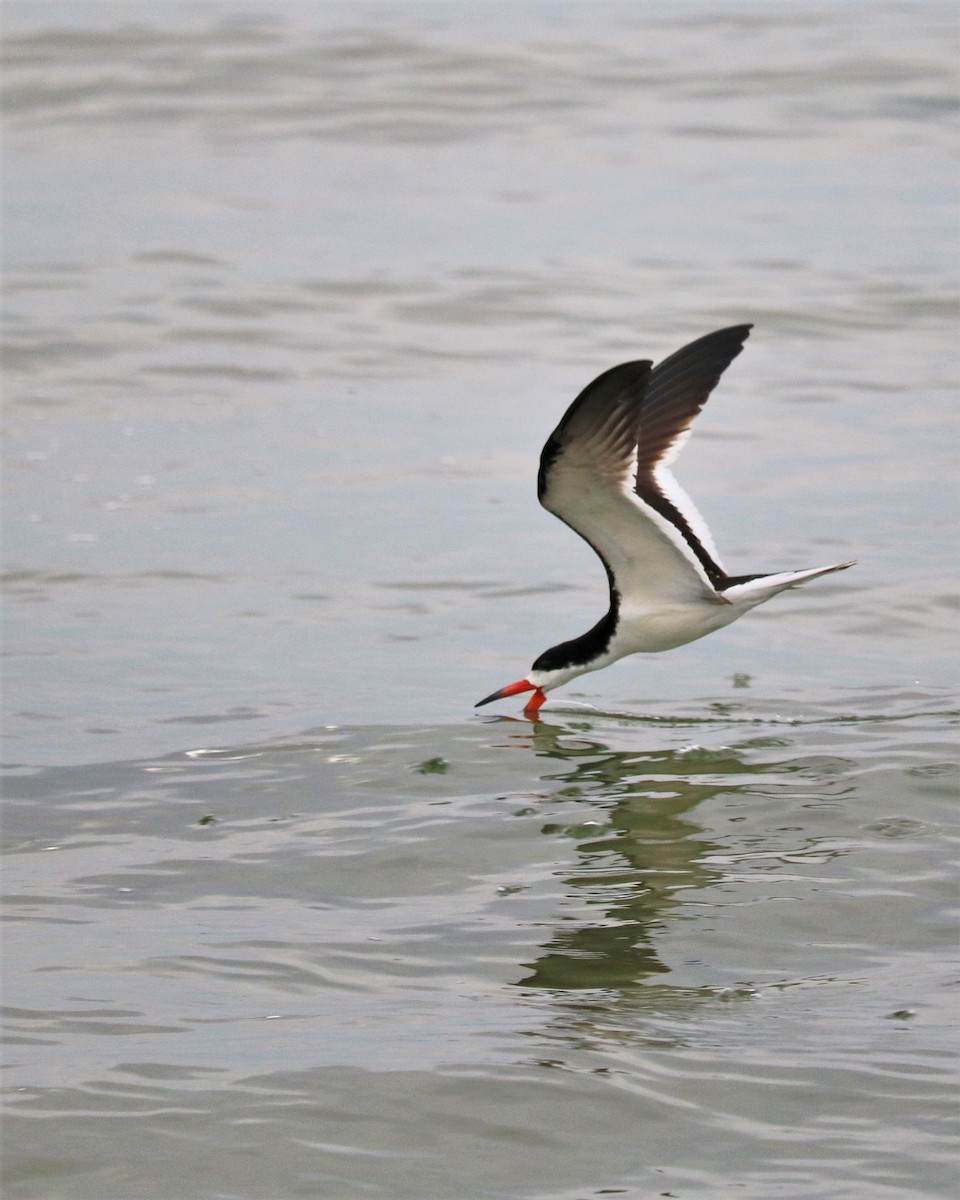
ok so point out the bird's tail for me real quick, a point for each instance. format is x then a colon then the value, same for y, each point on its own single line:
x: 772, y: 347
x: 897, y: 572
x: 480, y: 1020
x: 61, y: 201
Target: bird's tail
x: 762, y: 587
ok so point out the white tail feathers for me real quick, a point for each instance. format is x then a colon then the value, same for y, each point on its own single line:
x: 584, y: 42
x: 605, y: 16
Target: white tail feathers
x: 756, y: 591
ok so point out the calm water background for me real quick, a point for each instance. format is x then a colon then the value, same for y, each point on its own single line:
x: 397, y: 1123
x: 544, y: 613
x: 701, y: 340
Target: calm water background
x: 294, y: 292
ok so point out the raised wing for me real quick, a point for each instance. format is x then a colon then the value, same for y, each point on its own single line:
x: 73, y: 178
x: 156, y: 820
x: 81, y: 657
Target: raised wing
x: 677, y: 391
x: 603, y: 471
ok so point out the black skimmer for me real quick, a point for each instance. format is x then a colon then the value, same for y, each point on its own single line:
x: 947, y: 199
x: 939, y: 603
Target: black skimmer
x: 604, y: 472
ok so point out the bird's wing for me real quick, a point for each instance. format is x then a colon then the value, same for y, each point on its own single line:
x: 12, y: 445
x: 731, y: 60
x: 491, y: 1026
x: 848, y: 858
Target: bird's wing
x: 677, y: 391
x: 603, y: 471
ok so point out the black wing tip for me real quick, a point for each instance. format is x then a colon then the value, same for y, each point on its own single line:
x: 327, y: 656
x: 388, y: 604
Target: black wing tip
x: 706, y: 358
x: 728, y: 335
x: 733, y: 335
x: 742, y: 330
x: 738, y: 333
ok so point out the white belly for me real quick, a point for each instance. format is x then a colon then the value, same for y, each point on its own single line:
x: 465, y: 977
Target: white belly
x: 648, y: 631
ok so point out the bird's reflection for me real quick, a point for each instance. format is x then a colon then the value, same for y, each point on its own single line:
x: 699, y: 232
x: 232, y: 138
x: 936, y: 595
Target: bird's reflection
x: 638, y: 846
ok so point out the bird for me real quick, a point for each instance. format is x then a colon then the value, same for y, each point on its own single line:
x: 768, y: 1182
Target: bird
x: 604, y: 471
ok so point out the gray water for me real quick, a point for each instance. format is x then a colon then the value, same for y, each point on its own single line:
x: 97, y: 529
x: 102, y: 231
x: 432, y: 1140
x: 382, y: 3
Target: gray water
x: 294, y: 292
